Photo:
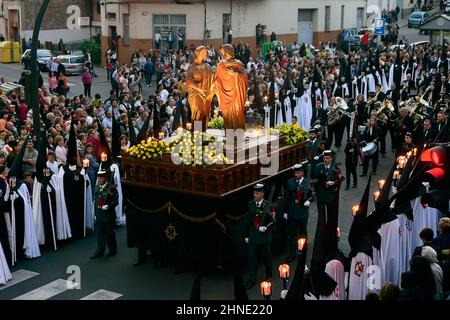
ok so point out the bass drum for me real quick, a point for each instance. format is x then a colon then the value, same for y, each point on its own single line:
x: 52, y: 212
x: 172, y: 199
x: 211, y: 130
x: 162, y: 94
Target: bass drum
x: 369, y: 149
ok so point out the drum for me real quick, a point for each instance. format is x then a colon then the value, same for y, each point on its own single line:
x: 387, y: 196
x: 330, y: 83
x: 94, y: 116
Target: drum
x: 369, y: 149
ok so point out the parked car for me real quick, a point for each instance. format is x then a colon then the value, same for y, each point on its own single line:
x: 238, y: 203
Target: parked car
x: 43, y: 55
x: 74, y: 63
x: 418, y: 18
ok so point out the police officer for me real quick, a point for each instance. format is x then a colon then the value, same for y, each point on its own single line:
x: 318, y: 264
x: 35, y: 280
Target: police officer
x: 329, y: 178
x: 106, y: 200
x: 313, y: 149
x: 298, y: 202
x: 258, y: 234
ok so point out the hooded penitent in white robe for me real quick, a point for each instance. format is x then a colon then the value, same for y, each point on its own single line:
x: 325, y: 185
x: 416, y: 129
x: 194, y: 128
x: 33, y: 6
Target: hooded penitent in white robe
x: 89, y: 209
x: 358, y: 288
x: 371, y: 82
x: 278, y: 113
x: 288, y: 109
x: 62, y: 217
x: 406, y: 227
x: 423, y: 218
x: 30, y: 243
x: 5, y: 274
x: 376, y: 260
x: 120, y: 218
x: 335, y: 269
x: 390, y: 251
x: 37, y: 211
x: 355, y: 89
x: 267, y: 116
x: 384, y: 83
x: 363, y: 90
x: 303, y: 111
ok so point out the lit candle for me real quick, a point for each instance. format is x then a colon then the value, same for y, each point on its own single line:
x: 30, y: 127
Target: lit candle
x: 401, y: 164
x: 266, y: 289
x: 12, y: 182
x: 376, y: 194
x: 284, y: 271
x: 216, y: 113
x: 301, y: 243
x: 381, y: 183
x: 276, y: 95
x: 338, y: 232
x: 103, y: 157
x: 85, y: 163
x: 414, y: 151
x: 266, y: 99
x: 161, y: 135
x: 408, y: 154
x: 396, y: 175
x: 355, y: 209
x: 46, y: 172
x: 189, y: 126
x: 247, y: 103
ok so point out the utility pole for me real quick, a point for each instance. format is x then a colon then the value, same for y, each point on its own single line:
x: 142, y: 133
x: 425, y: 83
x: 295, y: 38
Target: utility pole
x: 34, y: 70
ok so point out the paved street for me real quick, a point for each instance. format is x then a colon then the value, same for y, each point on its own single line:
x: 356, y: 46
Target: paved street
x: 115, y: 277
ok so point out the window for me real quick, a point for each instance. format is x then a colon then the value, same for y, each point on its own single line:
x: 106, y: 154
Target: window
x: 226, y: 23
x: 98, y: 6
x: 126, y: 28
x: 168, y: 25
x: 342, y: 17
x: 327, y: 18
x: 111, y: 16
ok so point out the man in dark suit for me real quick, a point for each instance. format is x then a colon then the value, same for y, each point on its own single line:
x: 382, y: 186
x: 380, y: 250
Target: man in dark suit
x: 371, y: 134
x: 442, y: 127
x: 106, y: 200
x: 258, y: 234
x: 298, y: 202
x: 329, y: 179
x: 319, y: 115
x: 394, y: 95
x: 426, y: 134
x: 406, y: 146
x: 313, y: 149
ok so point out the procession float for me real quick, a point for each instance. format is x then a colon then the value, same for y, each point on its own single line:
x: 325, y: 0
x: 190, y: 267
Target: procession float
x: 184, y: 192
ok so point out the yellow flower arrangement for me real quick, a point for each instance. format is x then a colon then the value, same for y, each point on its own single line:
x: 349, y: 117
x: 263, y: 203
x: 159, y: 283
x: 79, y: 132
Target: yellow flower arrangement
x: 290, y: 133
x: 216, y: 123
x: 149, y: 150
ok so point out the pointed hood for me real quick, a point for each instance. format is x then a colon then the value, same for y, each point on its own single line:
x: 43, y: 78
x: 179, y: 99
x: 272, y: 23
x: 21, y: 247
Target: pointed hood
x: 41, y: 162
x: 72, y: 153
x: 16, y: 167
x: 104, y: 146
x: 115, y: 138
x: 296, y: 289
x: 398, y: 69
x: 300, y: 85
x: 358, y: 229
x: 156, y: 122
x: 258, y: 102
x: 132, y: 133
x: 382, y: 204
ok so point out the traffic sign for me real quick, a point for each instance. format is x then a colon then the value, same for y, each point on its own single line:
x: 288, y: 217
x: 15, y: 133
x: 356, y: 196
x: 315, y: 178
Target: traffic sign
x: 349, y: 35
x: 379, y: 27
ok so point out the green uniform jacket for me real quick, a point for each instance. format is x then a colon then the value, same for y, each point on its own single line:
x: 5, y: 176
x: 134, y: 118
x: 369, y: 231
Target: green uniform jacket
x: 107, y: 196
x: 312, y: 150
x: 265, y: 218
x: 325, y: 193
x: 297, y: 211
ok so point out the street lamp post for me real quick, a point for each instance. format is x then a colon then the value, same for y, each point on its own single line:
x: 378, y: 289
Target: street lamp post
x: 34, y: 69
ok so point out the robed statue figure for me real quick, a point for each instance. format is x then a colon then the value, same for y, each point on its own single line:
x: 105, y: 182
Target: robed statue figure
x: 231, y: 88
x: 200, y: 81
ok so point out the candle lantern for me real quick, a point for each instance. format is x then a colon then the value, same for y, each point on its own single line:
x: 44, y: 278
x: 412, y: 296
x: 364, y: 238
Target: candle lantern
x: 301, y: 243
x: 12, y: 182
x: 266, y: 289
x: 103, y: 157
x: 414, y: 151
x: 355, y: 209
x: 85, y: 163
x: 338, y: 232
x: 284, y: 271
x: 161, y: 135
x: 266, y: 99
x: 381, y: 183
x: 46, y: 172
x: 189, y: 126
x: 376, y: 194
x: 396, y: 175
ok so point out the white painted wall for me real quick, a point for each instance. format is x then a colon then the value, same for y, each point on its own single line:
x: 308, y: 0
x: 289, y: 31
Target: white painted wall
x: 280, y: 16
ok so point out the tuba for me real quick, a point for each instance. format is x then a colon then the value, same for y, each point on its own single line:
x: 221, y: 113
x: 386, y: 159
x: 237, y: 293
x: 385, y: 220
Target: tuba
x: 339, y: 111
x: 385, y: 112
